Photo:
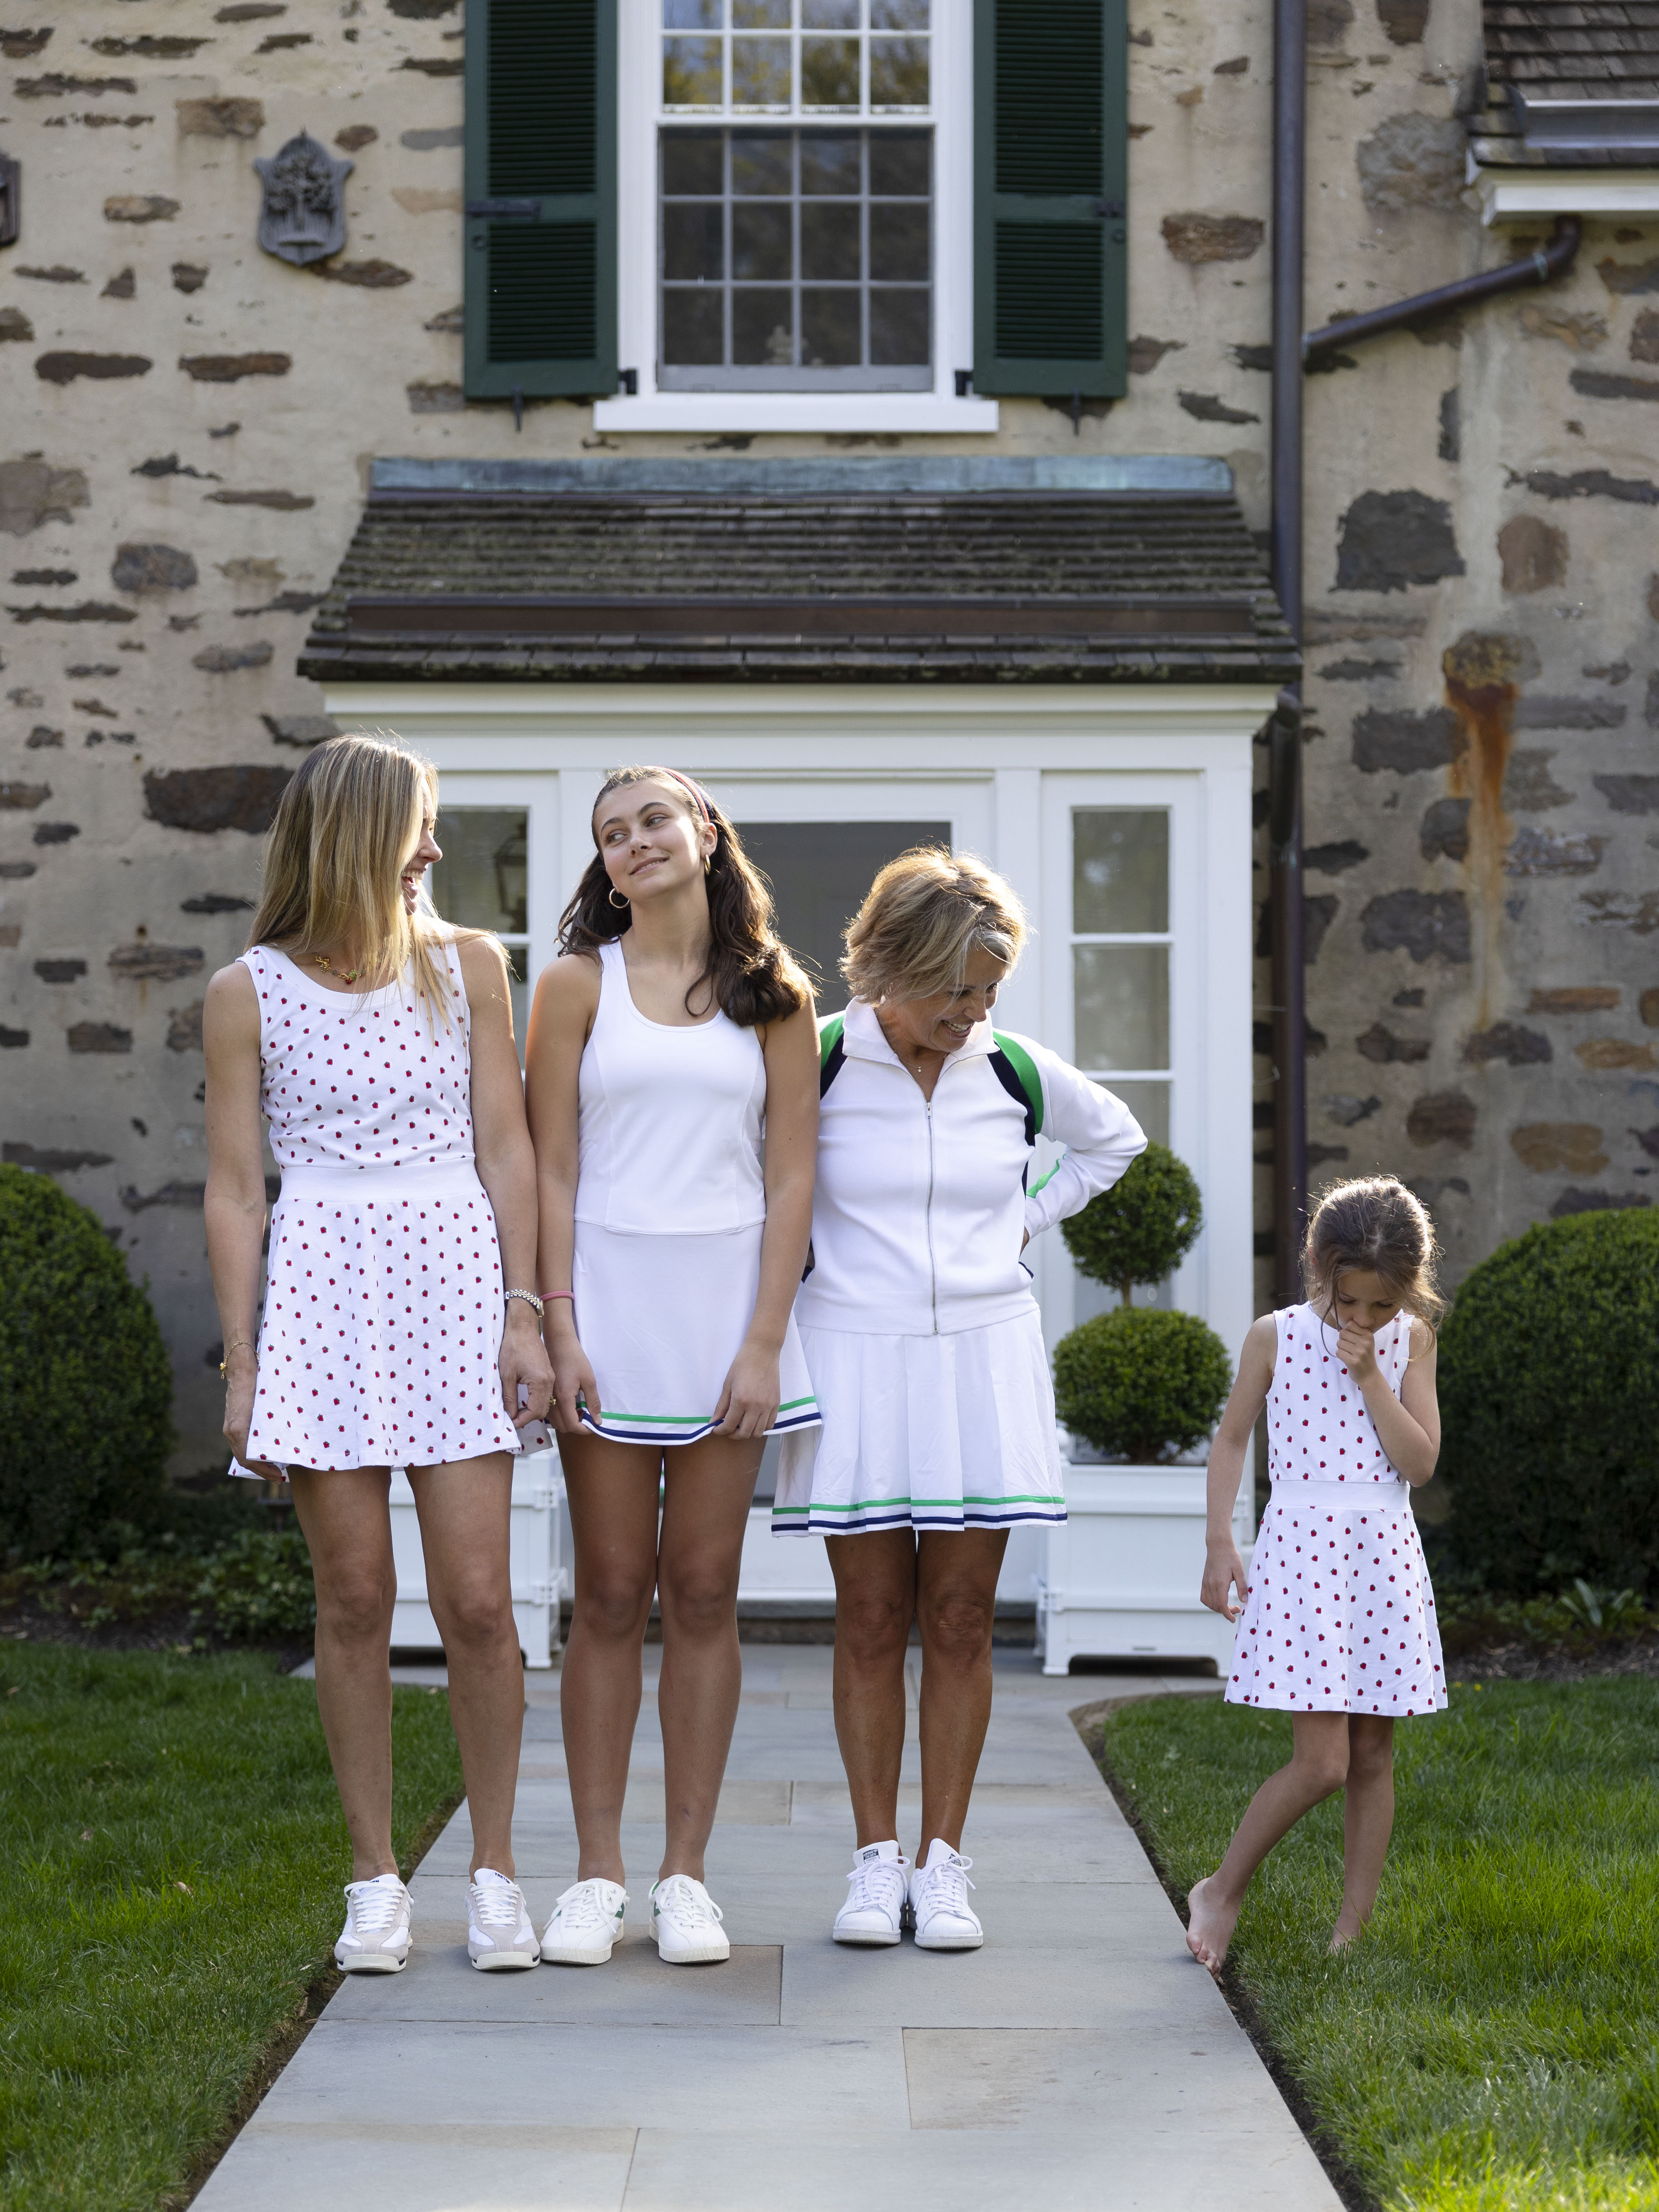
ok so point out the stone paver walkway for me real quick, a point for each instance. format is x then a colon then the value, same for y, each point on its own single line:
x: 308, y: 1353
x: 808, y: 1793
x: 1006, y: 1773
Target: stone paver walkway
x: 1079, y: 2062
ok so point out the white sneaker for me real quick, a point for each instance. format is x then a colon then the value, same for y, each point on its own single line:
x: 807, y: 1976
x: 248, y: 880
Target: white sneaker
x: 499, y: 1929
x: 873, y: 1913
x: 945, y: 1921
x: 375, y: 1937
x: 585, y: 1922
x: 686, y: 1922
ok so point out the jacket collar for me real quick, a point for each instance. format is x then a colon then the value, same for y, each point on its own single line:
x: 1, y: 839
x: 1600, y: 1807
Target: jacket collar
x: 862, y: 1038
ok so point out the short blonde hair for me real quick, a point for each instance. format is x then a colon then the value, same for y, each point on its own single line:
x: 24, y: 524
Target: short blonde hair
x: 923, y: 917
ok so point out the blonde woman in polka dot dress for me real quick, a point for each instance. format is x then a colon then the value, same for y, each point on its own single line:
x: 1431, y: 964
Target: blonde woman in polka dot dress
x: 1339, y: 1626
x: 378, y: 1045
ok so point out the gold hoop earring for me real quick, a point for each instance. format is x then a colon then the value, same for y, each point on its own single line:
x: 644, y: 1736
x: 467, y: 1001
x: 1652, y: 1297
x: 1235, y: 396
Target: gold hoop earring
x: 615, y: 901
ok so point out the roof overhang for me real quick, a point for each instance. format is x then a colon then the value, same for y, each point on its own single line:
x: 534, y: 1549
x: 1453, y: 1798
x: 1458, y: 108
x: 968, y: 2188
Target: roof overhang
x: 1523, y: 195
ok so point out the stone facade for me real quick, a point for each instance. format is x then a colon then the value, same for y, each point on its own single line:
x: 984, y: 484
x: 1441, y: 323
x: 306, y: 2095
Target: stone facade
x: 183, y: 446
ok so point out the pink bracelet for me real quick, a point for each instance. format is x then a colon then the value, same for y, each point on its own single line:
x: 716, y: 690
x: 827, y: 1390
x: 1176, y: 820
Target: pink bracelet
x: 547, y: 1296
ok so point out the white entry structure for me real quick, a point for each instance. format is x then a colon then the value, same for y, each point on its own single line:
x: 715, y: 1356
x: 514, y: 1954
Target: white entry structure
x: 1119, y: 809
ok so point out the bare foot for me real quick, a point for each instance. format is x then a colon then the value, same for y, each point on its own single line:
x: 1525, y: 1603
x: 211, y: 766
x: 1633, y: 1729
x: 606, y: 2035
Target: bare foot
x: 1210, y: 1925
x: 1349, y: 1928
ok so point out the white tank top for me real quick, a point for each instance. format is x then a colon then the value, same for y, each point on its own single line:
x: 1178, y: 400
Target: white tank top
x: 1319, y: 1427
x: 669, y: 1136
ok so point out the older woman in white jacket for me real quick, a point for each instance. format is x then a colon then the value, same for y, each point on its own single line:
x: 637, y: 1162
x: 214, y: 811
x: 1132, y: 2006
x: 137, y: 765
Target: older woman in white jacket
x: 925, y: 1350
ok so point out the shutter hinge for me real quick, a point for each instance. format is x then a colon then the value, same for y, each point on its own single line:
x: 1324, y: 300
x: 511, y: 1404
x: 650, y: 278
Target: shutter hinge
x: 629, y: 380
x: 1107, y: 210
x: 506, y: 210
x: 965, y: 383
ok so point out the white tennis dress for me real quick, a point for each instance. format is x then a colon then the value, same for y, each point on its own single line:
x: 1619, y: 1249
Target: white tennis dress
x: 383, y: 1311
x: 1340, y: 1617
x: 671, y: 1209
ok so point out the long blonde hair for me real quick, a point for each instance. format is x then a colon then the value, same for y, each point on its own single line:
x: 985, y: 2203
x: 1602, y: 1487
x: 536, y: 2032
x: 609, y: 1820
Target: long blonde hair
x: 345, y: 827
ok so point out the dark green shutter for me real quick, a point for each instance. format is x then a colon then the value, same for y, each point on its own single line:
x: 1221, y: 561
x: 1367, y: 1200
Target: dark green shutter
x: 1049, y: 184
x: 541, y: 197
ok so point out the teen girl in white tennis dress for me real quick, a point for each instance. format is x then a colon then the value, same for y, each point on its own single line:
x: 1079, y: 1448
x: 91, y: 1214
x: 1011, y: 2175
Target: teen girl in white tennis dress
x: 674, y: 1035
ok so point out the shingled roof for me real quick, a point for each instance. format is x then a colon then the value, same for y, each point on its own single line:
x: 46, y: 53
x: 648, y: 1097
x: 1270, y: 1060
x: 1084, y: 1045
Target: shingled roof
x: 843, y: 572
x: 1601, y: 57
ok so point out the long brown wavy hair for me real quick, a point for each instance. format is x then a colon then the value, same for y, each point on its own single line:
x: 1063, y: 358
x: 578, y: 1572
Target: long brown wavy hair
x: 1374, y: 1223
x: 752, y: 974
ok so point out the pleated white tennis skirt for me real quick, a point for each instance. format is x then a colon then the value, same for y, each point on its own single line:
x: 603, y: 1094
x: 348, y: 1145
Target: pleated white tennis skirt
x: 945, y: 1432
x: 661, y: 1319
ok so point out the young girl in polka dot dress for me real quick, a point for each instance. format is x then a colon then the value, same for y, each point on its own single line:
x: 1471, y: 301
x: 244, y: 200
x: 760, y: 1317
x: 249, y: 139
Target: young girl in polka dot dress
x: 1338, y: 1627
x: 378, y: 1045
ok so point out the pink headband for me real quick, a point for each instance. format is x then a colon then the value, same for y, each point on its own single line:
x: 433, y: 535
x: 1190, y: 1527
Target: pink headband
x: 697, y: 794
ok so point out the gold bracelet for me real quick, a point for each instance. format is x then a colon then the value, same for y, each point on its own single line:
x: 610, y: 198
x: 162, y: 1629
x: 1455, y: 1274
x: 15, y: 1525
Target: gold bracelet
x: 235, y: 1346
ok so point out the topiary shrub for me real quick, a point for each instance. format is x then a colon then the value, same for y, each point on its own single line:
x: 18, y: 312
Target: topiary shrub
x: 86, y: 1393
x: 1142, y: 1383
x: 1140, y: 1230
x: 1549, y: 1401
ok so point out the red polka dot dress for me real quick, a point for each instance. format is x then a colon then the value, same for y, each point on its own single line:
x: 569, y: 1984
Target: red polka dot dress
x: 1339, y: 1618
x: 383, y: 1308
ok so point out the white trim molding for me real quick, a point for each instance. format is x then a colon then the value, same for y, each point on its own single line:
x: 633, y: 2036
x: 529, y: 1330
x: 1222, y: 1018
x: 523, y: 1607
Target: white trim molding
x: 1523, y: 195
x: 917, y: 412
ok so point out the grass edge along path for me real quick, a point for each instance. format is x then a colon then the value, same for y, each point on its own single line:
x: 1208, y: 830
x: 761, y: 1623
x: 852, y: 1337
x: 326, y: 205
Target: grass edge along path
x: 175, y: 1853
x: 1490, y: 2046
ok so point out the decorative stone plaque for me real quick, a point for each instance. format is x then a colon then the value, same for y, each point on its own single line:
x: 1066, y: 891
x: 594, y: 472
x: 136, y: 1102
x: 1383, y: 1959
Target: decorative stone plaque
x: 303, y: 216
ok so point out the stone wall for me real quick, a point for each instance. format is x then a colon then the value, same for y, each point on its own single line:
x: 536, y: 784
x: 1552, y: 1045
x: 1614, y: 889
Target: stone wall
x: 187, y: 423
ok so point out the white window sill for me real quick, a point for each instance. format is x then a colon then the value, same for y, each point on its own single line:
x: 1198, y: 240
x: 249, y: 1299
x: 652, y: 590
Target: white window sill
x: 871, y: 412
x: 1517, y: 195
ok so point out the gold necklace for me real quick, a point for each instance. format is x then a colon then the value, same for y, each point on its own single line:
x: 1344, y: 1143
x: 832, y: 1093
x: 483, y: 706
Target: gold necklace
x: 345, y: 975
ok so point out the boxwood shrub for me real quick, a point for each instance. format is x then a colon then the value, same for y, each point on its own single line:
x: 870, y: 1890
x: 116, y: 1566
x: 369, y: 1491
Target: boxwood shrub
x: 1549, y: 1398
x: 1142, y: 1228
x: 1142, y: 1383
x: 86, y: 1393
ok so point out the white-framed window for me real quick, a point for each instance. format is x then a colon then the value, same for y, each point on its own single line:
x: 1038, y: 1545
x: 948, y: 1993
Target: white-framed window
x: 794, y: 215
x: 495, y: 834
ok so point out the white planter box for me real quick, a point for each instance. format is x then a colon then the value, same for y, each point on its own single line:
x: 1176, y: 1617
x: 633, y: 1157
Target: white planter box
x: 534, y: 1562
x: 1119, y: 1580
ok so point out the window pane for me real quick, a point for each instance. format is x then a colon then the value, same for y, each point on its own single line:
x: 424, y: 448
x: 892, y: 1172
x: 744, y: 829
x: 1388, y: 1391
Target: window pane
x: 763, y: 329
x: 898, y: 15
x: 830, y: 73
x: 819, y: 872
x: 899, y: 164
x: 1120, y: 872
x: 898, y: 329
x: 1121, y: 1001
x: 898, y: 243
x: 829, y: 15
x: 759, y: 166
x: 760, y: 243
x: 482, y: 881
x: 692, y: 163
x: 830, y: 241
x: 898, y: 73
x: 691, y: 244
x: 760, y: 14
x: 692, y: 328
x: 691, y: 72
x: 830, y: 164
x: 1149, y: 1104
x: 692, y: 15
x: 760, y: 72
x: 829, y: 328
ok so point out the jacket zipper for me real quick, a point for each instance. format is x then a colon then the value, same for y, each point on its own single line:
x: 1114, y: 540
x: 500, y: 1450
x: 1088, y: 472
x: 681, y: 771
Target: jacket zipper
x: 932, y: 1271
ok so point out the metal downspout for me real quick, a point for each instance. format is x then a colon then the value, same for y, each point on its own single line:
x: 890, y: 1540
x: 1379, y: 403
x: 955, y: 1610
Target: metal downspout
x: 1284, y: 731
x: 1541, y: 266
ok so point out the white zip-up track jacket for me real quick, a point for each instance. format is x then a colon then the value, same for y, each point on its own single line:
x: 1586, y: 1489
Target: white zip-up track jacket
x: 921, y: 1204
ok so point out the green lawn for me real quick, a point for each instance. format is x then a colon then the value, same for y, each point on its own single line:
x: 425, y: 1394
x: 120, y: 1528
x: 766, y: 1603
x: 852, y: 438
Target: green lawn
x: 1493, y: 2044
x: 173, y: 1854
